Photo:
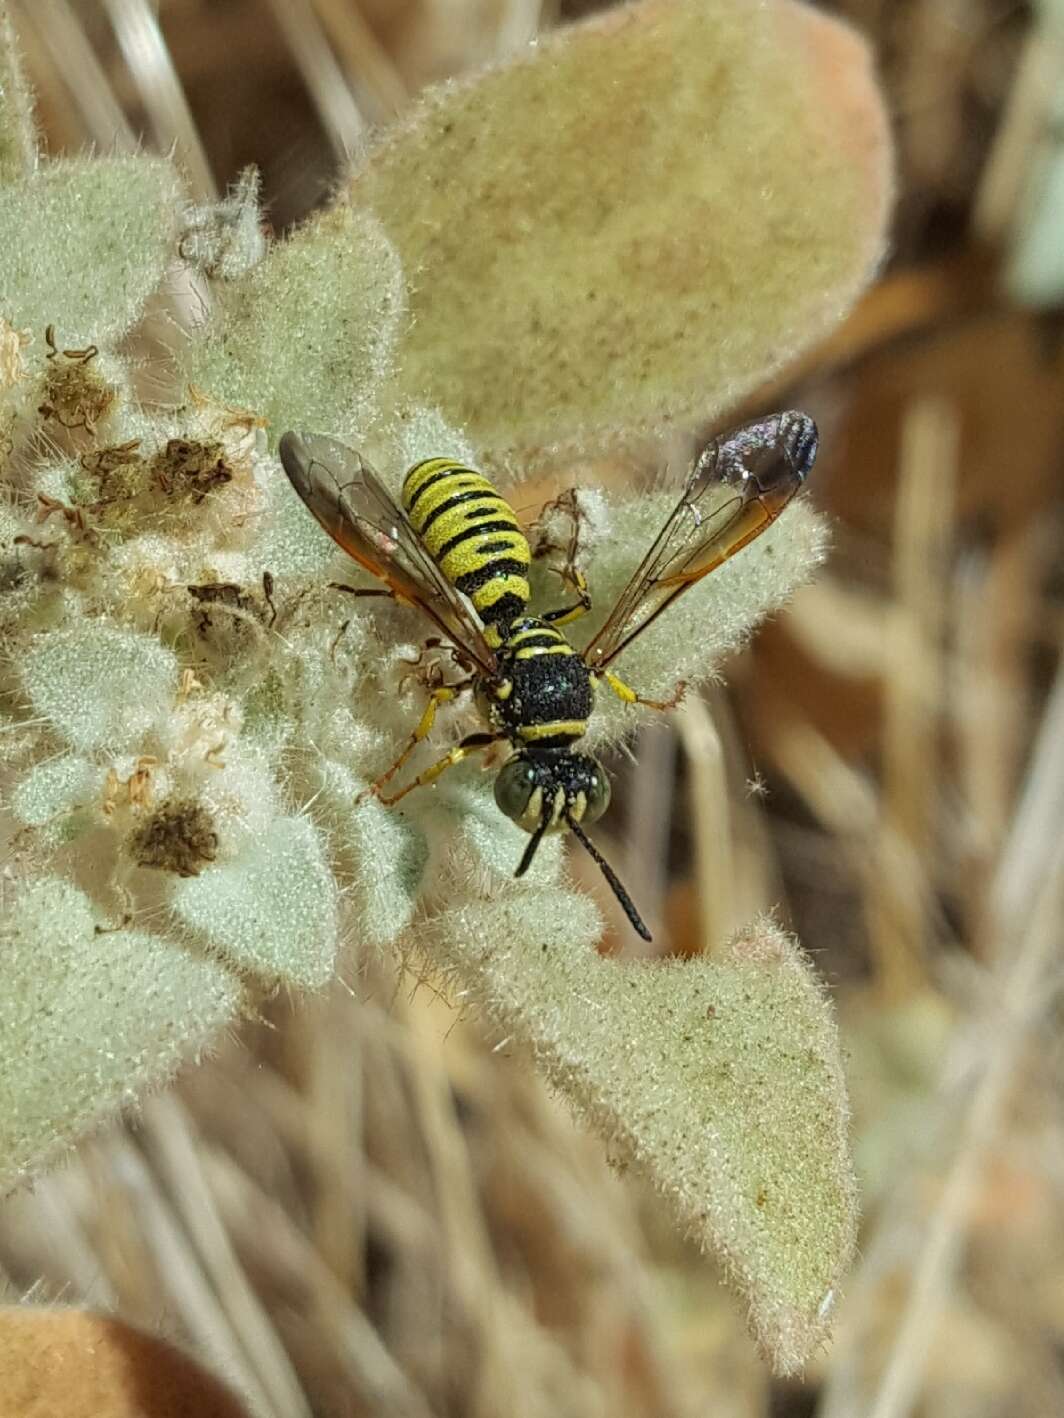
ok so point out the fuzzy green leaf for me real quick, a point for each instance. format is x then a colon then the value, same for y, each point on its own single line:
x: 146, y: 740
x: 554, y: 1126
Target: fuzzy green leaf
x: 719, y: 1079
x: 305, y: 336
x: 83, y: 243
x: 635, y: 223
x: 99, y: 686
x: 90, y: 1021
x: 273, y: 910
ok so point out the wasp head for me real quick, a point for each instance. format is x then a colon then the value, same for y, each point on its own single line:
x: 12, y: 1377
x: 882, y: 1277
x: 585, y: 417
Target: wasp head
x: 553, y: 789
x: 549, y: 790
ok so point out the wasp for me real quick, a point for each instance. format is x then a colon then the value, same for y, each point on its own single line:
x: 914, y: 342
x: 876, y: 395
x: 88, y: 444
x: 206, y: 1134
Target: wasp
x: 455, y: 550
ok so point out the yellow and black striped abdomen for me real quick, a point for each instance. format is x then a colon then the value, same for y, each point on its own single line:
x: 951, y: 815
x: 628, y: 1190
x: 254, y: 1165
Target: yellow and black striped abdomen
x: 471, y: 533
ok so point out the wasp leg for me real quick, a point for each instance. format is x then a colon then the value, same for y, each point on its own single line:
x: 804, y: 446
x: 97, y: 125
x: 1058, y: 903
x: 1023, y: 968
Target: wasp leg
x: 267, y: 591
x: 472, y: 743
x: 626, y: 693
x: 443, y: 694
x: 577, y: 582
x: 351, y: 591
x: 573, y: 579
x: 430, y: 679
x: 336, y: 640
x: 362, y: 590
x: 429, y: 676
x: 293, y: 605
x: 457, y: 658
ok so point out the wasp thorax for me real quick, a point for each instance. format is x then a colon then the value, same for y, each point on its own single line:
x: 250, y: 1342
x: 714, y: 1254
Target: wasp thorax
x: 552, y: 789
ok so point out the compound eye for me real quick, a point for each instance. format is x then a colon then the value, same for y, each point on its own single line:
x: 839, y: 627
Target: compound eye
x: 803, y: 438
x: 514, y: 786
x: 598, y: 793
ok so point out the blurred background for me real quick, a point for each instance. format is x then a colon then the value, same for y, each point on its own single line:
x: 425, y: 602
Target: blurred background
x: 357, y: 1207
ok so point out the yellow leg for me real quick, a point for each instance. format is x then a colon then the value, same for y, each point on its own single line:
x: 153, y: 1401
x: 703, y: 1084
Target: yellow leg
x: 628, y: 695
x: 473, y: 744
x: 443, y: 695
x: 576, y: 581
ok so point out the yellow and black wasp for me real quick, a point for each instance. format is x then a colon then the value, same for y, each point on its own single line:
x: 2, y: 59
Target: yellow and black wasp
x: 457, y: 552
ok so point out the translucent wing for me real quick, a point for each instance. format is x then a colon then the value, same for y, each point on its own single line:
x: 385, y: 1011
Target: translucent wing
x: 739, y: 485
x: 363, y: 518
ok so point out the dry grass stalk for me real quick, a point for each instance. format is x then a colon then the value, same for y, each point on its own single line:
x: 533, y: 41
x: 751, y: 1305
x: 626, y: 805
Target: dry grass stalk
x: 147, y: 57
x: 913, y: 685
x: 652, y: 788
x: 710, y: 824
x: 984, y: 1059
x: 18, y: 144
x: 69, y: 60
x: 324, y: 78
x: 1027, y: 113
x: 999, y: 613
x: 365, y: 59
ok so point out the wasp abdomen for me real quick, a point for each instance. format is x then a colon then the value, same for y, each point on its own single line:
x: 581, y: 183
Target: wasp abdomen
x: 471, y: 533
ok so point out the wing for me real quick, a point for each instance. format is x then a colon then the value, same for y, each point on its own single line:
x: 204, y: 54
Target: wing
x: 363, y: 518
x: 739, y: 485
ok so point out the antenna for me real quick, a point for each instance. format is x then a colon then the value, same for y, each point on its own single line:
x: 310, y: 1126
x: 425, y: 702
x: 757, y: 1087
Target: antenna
x: 533, y: 845
x: 607, y: 871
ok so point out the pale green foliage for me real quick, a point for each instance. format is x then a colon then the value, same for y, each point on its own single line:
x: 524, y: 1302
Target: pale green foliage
x: 638, y: 221
x: 273, y: 910
x: 418, y: 433
x: 311, y: 328
x: 52, y: 789
x: 382, y: 852
x: 1034, y: 269
x: 89, y: 1021
x: 720, y: 1079
x: 98, y: 685
x: 83, y: 243
x: 188, y: 709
